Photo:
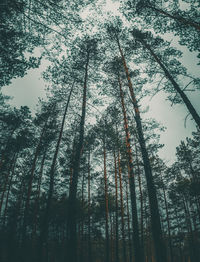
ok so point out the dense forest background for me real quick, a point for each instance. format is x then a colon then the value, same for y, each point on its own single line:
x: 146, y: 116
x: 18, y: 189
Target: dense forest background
x: 81, y: 178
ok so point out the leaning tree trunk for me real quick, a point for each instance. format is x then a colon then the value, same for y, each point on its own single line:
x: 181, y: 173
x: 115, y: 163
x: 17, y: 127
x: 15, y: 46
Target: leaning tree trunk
x: 155, y: 216
x: 180, y: 19
x: 183, y: 96
x: 136, y: 239
x: 72, y: 241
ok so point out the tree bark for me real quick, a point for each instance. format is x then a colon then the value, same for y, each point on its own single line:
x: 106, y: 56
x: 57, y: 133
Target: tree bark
x: 30, y: 184
x: 71, y: 227
x: 155, y: 216
x: 136, y: 239
x: 6, y: 180
x: 128, y: 218
x: 168, y: 222
x: 141, y: 199
x: 45, y: 225
x: 116, y: 212
x: 122, y: 209
x: 8, y: 192
x: 107, y: 258
x: 37, y: 201
x: 81, y: 252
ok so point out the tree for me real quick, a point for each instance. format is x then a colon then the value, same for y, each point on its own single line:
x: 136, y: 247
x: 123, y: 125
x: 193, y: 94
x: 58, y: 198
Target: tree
x: 143, y: 38
x: 88, y: 52
x: 155, y: 217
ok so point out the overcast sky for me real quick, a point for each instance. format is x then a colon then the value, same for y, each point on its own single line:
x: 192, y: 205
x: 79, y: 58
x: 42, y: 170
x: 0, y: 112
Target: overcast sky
x: 25, y: 91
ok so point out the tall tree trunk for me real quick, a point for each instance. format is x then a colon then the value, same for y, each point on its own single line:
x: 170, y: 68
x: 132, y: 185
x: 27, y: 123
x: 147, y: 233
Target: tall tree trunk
x: 107, y: 258
x: 13, y: 250
x: 71, y: 162
x: 3, y: 159
x: 89, y: 215
x: 122, y: 209
x: 178, y: 232
x: 183, y: 96
x: 30, y: 184
x: 141, y: 198
x: 116, y: 213
x: 81, y: 252
x: 194, y: 253
x: 72, y: 241
x: 136, y: 239
x: 111, y: 239
x: 8, y: 192
x: 45, y: 225
x: 128, y: 218
x: 6, y: 180
x: 155, y: 216
x: 168, y: 222
x: 37, y: 201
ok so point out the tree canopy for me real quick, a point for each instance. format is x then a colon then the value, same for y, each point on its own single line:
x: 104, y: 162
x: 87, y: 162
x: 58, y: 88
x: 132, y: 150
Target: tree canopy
x: 81, y: 178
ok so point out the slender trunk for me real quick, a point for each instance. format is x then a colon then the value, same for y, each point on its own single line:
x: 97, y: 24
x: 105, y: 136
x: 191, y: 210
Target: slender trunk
x: 116, y: 214
x: 128, y: 218
x: 37, y: 201
x: 36, y: 210
x: 1, y: 160
x: 89, y: 217
x: 180, y: 19
x: 71, y: 162
x: 122, y: 209
x: 81, y: 254
x: 195, y: 245
x: 45, y: 227
x: 30, y: 184
x: 168, y: 224
x: 141, y: 198
x: 185, y: 99
x: 178, y: 232
x: 106, y: 204
x: 8, y: 192
x: 6, y: 180
x: 72, y: 241
x: 111, y: 239
x: 192, y: 245
x: 79, y: 239
x: 197, y: 204
x: 136, y: 239
x: 155, y: 216
x: 13, y: 252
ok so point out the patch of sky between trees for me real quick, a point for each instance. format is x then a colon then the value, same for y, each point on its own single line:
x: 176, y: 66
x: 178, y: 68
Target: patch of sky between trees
x: 27, y: 90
